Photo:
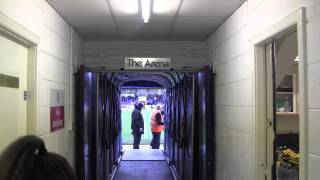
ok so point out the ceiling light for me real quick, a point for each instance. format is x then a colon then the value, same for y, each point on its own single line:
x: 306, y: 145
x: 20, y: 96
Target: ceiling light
x: 146, y: 6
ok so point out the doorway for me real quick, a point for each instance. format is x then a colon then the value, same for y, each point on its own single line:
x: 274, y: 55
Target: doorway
x: 151, y: 95
x: 286, y: 107
x: 280, y: 101
x: 283, y: 106
x: 18, y: 77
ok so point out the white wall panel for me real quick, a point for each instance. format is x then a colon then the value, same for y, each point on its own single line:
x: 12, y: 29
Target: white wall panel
x: 238, y: 118
x: 313, y: 132
x: 232, y: 25
x: 233, y: 47
x: 57, y: 25
x: 43, y: 126
x: 243, y: 93
x: 316, y: 8
x: 220, y: 113
x: 313, y: 40
x: 51, y: 141
x: 229, y: 141
x: 313, y: 85
x: 313, y: 167
x: 53, y: 69
x: 237, y: 69
x: 66, y: 144
x: 241, y: 144
x: 56, y: 46
x: 224, y: 95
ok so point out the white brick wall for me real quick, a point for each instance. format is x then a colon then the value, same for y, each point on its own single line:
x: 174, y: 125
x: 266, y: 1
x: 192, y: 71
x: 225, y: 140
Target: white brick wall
x: 313, y: 82
x: 53, y: 64
x: 230, y: 49
x: 111, y: 54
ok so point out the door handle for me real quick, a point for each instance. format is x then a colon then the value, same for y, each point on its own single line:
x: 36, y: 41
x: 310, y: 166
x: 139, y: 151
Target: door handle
x: 25, y: 95
x: 269, y: 122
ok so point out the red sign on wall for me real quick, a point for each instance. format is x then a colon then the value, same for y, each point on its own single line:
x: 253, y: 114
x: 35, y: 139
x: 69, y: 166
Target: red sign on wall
x: 56, y: 118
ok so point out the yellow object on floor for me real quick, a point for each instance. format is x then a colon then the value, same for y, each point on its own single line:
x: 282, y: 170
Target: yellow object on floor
x: 290, y: 156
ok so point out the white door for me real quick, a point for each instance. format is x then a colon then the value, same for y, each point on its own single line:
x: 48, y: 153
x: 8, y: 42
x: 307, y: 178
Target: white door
x: 13, y: 107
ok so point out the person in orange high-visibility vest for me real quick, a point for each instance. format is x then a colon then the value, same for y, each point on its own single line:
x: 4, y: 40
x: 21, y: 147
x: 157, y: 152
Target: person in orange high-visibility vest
x: 157, y: 126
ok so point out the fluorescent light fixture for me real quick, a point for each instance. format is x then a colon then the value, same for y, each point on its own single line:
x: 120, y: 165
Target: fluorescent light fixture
x: 146, y: 6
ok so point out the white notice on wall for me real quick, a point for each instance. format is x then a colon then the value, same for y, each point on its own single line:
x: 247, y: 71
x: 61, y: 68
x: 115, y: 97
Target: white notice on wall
x: 56, y: 97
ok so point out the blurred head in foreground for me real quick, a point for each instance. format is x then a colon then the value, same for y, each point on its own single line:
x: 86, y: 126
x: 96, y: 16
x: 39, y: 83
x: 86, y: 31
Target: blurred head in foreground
x: 28, y: 159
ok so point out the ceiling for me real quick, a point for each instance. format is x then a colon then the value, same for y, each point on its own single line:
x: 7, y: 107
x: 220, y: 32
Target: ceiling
x: 180, y: 20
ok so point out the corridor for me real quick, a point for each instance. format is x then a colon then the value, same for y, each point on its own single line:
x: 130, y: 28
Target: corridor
x: 237, y: 81
x: 143, y: 164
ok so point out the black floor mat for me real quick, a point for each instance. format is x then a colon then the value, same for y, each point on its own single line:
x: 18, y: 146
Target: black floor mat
x: 143, y: 170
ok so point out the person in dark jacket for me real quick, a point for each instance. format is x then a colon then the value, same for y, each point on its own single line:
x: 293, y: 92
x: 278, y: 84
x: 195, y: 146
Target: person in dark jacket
x: 137, y: 125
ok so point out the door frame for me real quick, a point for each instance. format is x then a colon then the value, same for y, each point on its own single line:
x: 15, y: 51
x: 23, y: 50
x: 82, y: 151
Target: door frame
x: 295, y: 20
x: 19, y: 34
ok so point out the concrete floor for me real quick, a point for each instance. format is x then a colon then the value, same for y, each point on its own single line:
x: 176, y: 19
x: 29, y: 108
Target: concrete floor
x: 143, y: 164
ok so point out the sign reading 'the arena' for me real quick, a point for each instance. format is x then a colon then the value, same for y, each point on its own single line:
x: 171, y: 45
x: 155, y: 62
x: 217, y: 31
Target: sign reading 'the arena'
x: 147, y: 63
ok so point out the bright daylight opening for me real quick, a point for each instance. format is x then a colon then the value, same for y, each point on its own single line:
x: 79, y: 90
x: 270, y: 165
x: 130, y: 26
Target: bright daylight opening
x: 151, y: 98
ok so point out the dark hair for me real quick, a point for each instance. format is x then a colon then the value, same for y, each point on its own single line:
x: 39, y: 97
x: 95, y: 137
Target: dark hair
x: 140, y: 105
x: 28, y: 159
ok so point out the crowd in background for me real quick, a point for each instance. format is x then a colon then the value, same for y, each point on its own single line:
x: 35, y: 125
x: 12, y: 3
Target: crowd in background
x: 149, y: 96
x: 128, y: 100
x: 155, y: 99
x: 151, y: 99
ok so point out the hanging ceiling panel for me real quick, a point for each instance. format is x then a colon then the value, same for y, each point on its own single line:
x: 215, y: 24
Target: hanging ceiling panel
x: 160, y: 22
x: 165, y: 7
x: 129, y: 21
x: 97, y: 23
x: 81, y: 7
x: 215, y: 8
x: 190, y: 34
x: 125, y: 7
x: 198, y: 22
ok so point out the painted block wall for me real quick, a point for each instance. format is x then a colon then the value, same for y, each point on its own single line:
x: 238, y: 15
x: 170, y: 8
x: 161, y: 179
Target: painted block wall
x: 111, y: 54
x: 231, y: 51
x: 60, y: 49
